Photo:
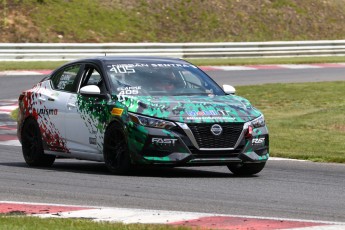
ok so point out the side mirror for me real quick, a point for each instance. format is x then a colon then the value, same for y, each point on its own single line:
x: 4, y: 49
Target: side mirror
x: 229, y: 89
x: 90, y: 90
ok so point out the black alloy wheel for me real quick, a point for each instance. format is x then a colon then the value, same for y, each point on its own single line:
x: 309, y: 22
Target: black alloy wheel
x: 32, y: 146
x: 115, y: 151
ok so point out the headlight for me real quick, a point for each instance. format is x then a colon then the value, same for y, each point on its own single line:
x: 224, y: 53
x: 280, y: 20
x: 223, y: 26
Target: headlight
x: 258, y: 122
x: 151, y: 122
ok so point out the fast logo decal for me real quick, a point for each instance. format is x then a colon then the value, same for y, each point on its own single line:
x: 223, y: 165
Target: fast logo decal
x: 167, y: 141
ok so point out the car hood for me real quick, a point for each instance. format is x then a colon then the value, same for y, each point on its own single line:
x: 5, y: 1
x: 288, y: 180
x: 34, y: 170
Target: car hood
x: 193, y: 109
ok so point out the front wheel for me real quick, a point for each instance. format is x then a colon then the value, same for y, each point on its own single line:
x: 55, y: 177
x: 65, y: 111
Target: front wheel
x: 115, y: 151
x: 32, y: 146
x: 246, y: 169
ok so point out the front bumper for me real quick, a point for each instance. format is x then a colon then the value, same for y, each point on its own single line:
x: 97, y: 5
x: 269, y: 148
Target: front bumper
x: 181, y: 146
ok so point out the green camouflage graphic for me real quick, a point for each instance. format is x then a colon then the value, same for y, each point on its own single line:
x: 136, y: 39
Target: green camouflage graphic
x: 193, y: 109
x: 97, y: 115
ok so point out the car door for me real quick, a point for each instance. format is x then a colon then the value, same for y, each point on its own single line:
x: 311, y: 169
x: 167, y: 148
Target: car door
x: 63, y: 84
x: 84, y: 132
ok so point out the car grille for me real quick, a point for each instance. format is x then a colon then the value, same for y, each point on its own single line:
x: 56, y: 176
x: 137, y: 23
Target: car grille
x: 216, y: 153
x: 206, y: 139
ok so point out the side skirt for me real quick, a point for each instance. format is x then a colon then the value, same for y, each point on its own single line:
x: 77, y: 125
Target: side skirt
x: 78, y: 155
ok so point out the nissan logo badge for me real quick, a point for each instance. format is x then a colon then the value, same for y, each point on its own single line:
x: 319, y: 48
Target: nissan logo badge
x: 216, y: 129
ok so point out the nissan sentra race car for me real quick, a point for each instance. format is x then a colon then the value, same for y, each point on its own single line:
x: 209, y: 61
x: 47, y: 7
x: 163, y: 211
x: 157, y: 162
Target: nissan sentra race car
x: 128, y: 111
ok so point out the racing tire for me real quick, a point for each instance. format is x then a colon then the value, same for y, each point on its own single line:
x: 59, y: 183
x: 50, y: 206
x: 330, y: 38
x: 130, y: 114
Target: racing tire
x: 246, y: 169
x: 32, y: 146
x: 115, y: 151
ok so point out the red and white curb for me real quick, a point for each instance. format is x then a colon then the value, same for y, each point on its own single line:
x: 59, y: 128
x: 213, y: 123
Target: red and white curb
x: 24, y: 72
x: 268, y: 67
x: 8, y: 127
x: 7, y: 106
x: 176, y: 218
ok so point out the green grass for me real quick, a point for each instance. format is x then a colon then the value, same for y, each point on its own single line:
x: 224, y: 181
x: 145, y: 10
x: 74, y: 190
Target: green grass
x: 27, y: 65
x: 14, y: 114
x: 30, y: 65
x: 35, y: 223
x: 305, y: 120
x: 170, y: 21
x: 267, y: 61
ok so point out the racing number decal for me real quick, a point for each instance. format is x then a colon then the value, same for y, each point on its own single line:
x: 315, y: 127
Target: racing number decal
x: 129, y: 90
x: 122, y: 69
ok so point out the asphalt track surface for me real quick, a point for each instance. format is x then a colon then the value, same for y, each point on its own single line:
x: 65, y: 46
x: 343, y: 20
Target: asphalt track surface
x: 285, y: 189
x: 11, y: 86
x: 256, y: 77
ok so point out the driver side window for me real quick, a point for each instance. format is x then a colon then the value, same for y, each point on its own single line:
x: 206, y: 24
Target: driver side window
x: 92, y: 77
x: 66, y: 79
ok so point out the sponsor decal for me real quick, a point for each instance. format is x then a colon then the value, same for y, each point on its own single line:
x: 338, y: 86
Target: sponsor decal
x: 258, y: 140
x: 129, y: 90
x: 116, y: 111
x: 194, y: 113
x: 47, y: 111
x: 129, y: 68
x: 173, y: 65
x: 216, y: 129
x: 92, y: 141
x: 168, y: 141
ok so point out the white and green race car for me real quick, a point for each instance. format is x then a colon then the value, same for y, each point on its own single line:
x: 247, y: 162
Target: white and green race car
x: 128, y: 111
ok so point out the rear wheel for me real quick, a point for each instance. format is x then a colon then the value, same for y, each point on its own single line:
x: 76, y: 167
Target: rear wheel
x: 32, y: 146
x: 115, y: 151
x: 246, y: 169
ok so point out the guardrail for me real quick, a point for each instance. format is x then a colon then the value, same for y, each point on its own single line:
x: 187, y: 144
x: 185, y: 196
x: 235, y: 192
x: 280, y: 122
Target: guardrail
x: 70, y: 51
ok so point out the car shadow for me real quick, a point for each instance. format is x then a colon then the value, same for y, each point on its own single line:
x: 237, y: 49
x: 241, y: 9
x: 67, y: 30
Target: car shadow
x: 97, y: 168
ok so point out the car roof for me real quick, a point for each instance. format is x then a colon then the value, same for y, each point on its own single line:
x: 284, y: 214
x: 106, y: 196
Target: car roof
x: 132, y: 58
x: 100, y: 59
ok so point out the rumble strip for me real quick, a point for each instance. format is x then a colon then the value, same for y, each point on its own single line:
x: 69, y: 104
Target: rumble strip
x: 176, y: 218
x: 8, y: 127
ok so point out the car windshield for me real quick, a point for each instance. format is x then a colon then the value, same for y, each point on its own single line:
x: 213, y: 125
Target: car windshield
x: 159, y: 79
